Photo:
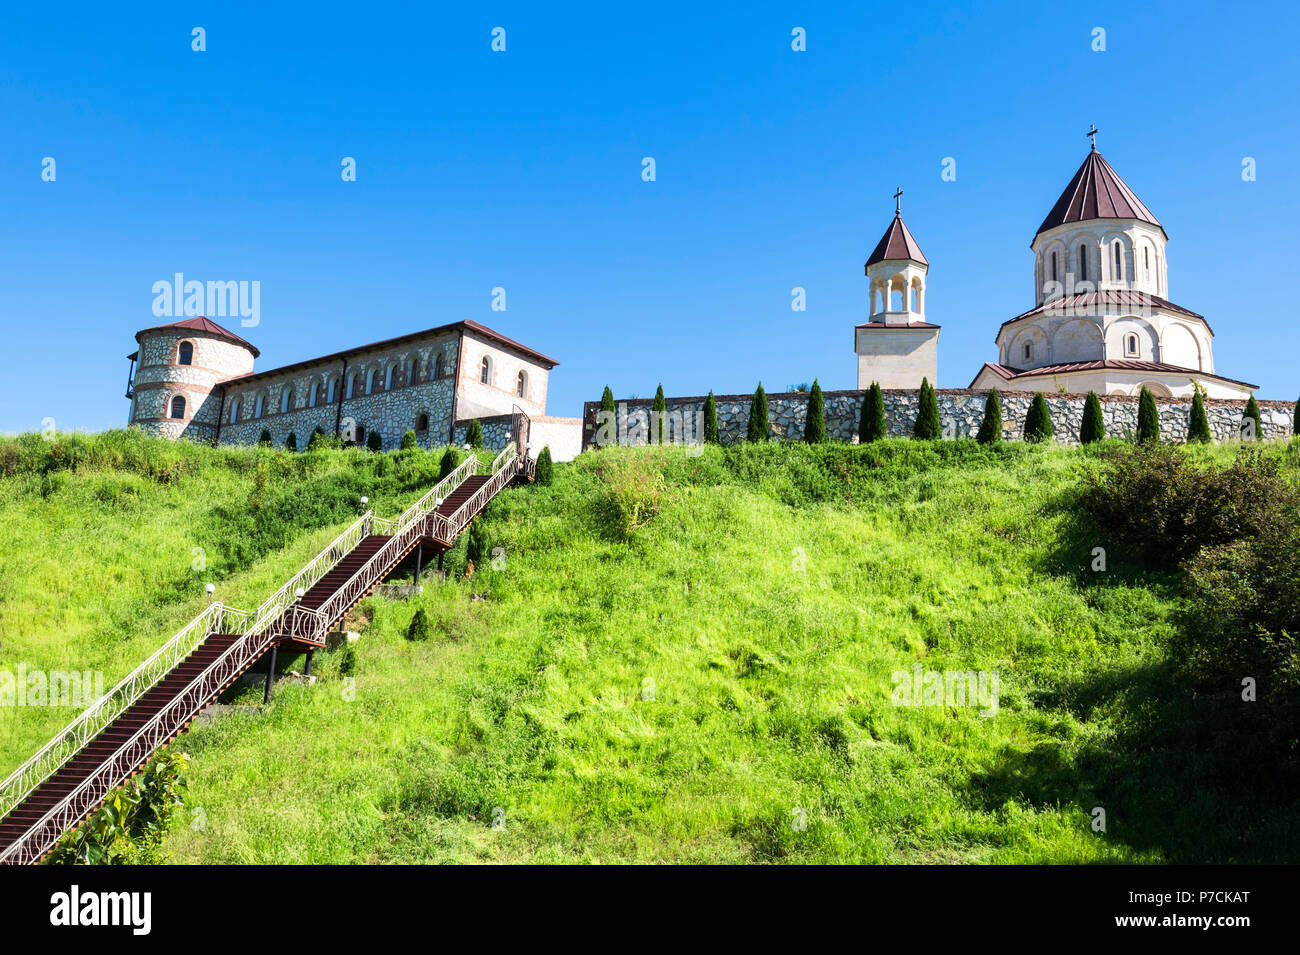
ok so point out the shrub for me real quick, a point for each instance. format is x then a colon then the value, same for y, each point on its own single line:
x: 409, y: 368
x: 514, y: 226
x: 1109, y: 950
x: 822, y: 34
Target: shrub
x: 607, y: 401
x: 545, y: 470
x: 871, y: 423
x: 348, y: 660
x: 759, y: 426
x: 316, y: 440
x: 634, y: 493
x: 1038, y: 422
x: 450, y: 461
x: 1148, y: 418
x: 814, y: 429
x: 658, y: 417
x: 264, y: 438
x: 1252, y: 426
x: 991, y: 427
x: 476, y: 542
x: 1093, y: 426
x: 375, y: 440
x: 474, y: 434
x: 1198, y: 427
x: 419, y: 628
x: 927, y: 413
x: 710, y: 420
x: 408, y: 440
x: 291, y: 442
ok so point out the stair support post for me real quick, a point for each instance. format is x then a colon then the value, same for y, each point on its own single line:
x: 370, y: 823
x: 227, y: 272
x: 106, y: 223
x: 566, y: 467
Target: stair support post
x: 310, y: 653
x: 270, y: 674
x: 419, y: 556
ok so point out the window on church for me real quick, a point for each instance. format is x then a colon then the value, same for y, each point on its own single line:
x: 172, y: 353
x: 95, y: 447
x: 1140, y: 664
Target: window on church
x: 186, y: 356
x: 260, y: 406
x: 286, y: 399
x: 437, y: 366
x: 1130, y: 345
x: 422, y: 423
x: 361, y: 434
x: 1054, y: 278
x: 313, y: 395
x: 1119, y: 261
x: 178, y: 407
x: 1029, y: 350
x: 388, y: 378
x: 234, y: 411
x: 521, y: 385
x: 485, y: 370
x: 333, y: 392
x: 370, y: 382
x: 1083, y: 263
x: 1146, y: 261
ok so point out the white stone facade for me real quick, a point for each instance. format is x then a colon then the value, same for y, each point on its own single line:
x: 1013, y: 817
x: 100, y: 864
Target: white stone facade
x: 160, y: 379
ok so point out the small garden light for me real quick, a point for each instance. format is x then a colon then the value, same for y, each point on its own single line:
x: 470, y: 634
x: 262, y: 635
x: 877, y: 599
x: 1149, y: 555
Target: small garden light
x: 211, y: 589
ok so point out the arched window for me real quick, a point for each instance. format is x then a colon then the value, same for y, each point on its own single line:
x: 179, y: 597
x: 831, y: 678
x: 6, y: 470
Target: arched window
x: 1130, y: 344
x: 370, y: 381
x: 178, y: 406
x: 388, y: 378
x: 354, y: 385
x: 186, y: 356
x: 361, y: 434
x: 1029, y: 350
x: 334, y: 385
x: 1146, y: 260
x: 437, y: 366
x: 234, y: 411
x: 1119, y: 261
x: 413, y: 371
x: 260, y: 406
x: 422, y: 423
x: 1083, y: 263
x: 1054, y: 267
x: 286, y: 399
x: 521, y: 385
x: 485, y: 370
x: 312, y: 394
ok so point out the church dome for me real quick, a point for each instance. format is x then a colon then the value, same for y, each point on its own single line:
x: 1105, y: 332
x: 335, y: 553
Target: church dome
x: 897, y: 243
x: 1097, y: 192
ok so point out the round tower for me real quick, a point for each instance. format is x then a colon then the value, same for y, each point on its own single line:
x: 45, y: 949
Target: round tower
x: 175, y: 374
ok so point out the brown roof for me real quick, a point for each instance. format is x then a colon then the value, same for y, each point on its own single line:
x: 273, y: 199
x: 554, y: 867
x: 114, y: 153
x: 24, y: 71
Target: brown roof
x: 897, y: 243
x: 1118, y: 364
x: 1097, y: 192
x: 1109, y: 297
x: 202, y: 324
x: 467, y: 324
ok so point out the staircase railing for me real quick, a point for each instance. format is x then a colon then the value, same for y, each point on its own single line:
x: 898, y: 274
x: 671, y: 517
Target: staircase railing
x: 164, y: 724
x: 445, y: 527
x: 73, y: 737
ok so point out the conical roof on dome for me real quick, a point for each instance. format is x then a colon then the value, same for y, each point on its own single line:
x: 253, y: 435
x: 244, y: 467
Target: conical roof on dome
x: 1097, y: 192
x: 897, y: 243
x: 203, y: 324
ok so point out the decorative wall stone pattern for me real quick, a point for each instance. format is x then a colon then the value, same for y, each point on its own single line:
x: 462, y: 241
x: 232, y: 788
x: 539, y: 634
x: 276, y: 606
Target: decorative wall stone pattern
x: 496, y: 431
x: 158, y: 378
x: 960, y: 414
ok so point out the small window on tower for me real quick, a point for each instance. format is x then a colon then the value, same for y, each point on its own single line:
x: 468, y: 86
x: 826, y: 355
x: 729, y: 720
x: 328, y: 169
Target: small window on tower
x: 178, y: 407
x: 186, y: 353
x: 485, y: 371
x: 1054, y: 278
x: 1119, y: 261
x: 521, y: 385
x: 1146, y: 261
x: 1083, y: 263
x: 1130, y: 345
x: 1029, y: 350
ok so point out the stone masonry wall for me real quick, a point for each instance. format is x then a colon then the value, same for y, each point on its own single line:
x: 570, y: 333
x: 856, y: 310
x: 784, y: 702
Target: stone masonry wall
x: 496, y: 431
x: 960, y: 414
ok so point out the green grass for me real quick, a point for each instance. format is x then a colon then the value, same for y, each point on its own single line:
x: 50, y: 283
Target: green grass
x: 769, y: 600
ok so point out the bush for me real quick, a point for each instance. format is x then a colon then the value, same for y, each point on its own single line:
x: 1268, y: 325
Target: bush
x: 927, y: 414
x: 1252, y: 426
x: 871, y: 423
x: 634, y: 493
x: 545, y: 470
x: 476, y: 542
x: 1148, y: 418
x: 450, y: 461
x: 991, y: 427
x: 759, y: 426
x: 408, y: 440
x: 1038, y: 422
x: 474, y: 434
x: 264, y: 438
x: 348, y: 660
x: 419, y: 628
x: 658, y: 417
x: 710, y: 420
x: 1198, y: 426
x: 316, y: 440
x: 375, y: 441
x: 1093, y: 427
x: 814, y: 429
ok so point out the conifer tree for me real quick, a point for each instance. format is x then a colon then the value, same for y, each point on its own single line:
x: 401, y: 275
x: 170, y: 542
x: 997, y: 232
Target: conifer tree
x: 607, y: 401
x: 408, y: 440
x: 1093, y: 426
x: 449, y: 462
x: 419, y: 628
x: 658, y: 417
x: 759, y: 426
x: 814, y: 429
x: 927, y: 415
x: 1038, y: 422
x: 871, y: 423
x: 474, y: 434
x: 1148, y: 417
x: 710, y: 420
x: 1252, y: 414
x: 991, y: 427
x: 545, y: 469
x: 1198, y: 427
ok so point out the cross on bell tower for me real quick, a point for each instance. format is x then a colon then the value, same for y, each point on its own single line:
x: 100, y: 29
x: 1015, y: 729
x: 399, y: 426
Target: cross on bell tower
x: 898, y: 201
x: 1092, y: 135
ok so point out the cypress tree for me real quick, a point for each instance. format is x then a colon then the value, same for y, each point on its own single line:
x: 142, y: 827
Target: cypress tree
x: 1038, y: 423
x: 1148, y: 417
x: 759, y: 426
x: 1252, y: 413
x: 474, y: 434
x: 607, y: 401
x: 450, y: 459
x: 710, y: 420
x: 545, y: 472
x: 871, y: 424
x: 291, y: 442
x: 419, y: 628
x: 658, y: 417
x: 375, y: 441
x: 1093, y: 426
x: 408, y: 439
x: 991, y: 427
x: 814, y: 429
x: 1198, y: 428
x: 927, y: 415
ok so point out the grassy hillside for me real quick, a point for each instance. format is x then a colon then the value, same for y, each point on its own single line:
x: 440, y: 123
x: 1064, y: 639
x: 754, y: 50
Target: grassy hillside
x: 677, y: 658
x: 110, y: 539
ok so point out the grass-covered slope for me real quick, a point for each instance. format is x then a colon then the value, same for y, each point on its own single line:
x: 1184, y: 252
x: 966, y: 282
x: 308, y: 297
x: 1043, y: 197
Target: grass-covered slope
x: 716, y: 685
x: 109, y: 540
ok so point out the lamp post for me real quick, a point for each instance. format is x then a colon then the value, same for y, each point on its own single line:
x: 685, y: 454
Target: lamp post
x: 210, y: 588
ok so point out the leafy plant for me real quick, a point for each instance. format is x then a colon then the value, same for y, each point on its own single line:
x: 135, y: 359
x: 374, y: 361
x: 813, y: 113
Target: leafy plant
x: 264, y: 438
x: 375, y: 440
x: 449, y: 462
x: 658, y: 417
x: 408, y: 440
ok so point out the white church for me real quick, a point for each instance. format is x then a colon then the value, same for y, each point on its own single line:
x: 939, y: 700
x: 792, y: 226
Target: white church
x: 1102, y: 320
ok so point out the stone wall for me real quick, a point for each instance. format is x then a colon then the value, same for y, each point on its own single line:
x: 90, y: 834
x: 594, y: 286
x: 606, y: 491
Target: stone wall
x: 496, y: 431
x: 960, y: 414
x: 159, y: 377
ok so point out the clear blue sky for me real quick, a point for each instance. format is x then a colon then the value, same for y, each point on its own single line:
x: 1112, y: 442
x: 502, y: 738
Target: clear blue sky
x: 523, y: 170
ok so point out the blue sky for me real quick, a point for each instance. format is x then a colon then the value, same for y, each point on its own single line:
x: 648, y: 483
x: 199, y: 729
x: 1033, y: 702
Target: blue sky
x: 522, y: 170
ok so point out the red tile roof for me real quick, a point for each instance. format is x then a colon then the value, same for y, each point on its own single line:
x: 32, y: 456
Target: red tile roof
x: 1097, y: 192
x: 1117, y: 364
x: 1124, y: 297
x: 202, y: 324
x: 897, y: 243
